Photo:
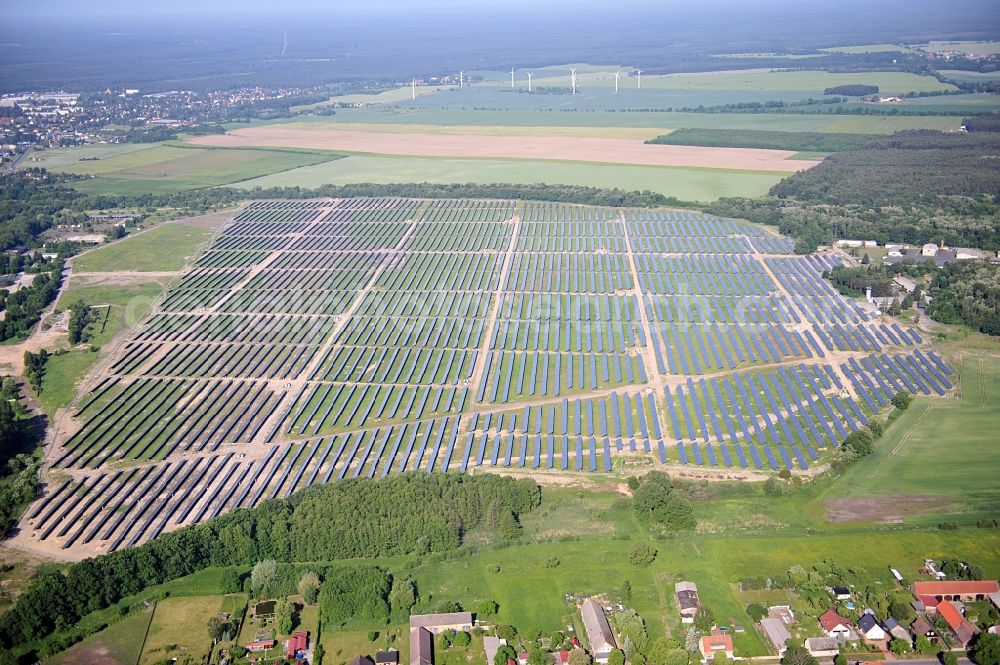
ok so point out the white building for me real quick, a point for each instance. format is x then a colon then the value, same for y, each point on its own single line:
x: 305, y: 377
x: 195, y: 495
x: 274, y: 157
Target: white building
x: 599, y: 634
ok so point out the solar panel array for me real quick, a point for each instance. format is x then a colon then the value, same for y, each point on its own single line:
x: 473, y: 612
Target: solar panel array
x: 320, y: 340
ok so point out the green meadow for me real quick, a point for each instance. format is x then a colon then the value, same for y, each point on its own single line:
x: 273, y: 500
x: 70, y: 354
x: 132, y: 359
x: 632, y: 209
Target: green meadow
x: 789, y: 122
x: 167, y: 247
x: 944, y: 449
x: 689, y: 184
x: 116, y: 306
x: 119, y: 644
x: 164, y: 168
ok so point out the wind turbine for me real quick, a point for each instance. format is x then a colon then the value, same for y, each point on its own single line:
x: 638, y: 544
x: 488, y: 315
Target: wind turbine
x: 572, y: 78
x: 617, y: 75
x: 461, y: 79
x: 530, y: 74
x: 413, y: 89
x: 511, y: 78
x: 638, y: 74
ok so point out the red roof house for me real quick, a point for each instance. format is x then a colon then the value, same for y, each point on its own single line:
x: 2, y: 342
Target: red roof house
x: 716, y: 642
x: 930, y: 603
x: 963, y: 629
x: 260, y: 645
x: 299, y: 641
x: 835, y: 625
x: 964, y: 590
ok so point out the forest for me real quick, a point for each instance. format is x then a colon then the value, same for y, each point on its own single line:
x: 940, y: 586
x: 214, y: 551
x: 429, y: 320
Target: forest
x: 903, y: 169
x: 912, y: 187
x: 24, y: 307
x: 774, y: 140
x: 967, y: 292
x: 415, y: 513
x: 852, y: 90
x: 18, y: 464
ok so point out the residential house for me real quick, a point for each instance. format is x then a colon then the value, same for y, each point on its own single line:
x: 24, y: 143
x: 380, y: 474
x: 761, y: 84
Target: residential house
x: 905, y: 283
x: 870, y: 628
x: 835, y: 626
x: 841, y: 593
x: 963, y: 590
x: 715, y: 643
x: 560, y: 658
x: 388, y: 657
x: 361, y: 660
x: 961, y: 628
x: 260, y: 645
x: 922, y: 627
x: 421, y: 646
x: 442, y: 623
x: 896, y: 630
x: 776, y: 633
x: 423, y: 627
x: 822, y: 647
x: 687, y: 600
x: 299, y: 642
x: 928, y: 604
x: 599, y: 634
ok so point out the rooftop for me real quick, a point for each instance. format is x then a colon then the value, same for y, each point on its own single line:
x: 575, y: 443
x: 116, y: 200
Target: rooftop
x: 596, y: 624
x: 447, y: 619
x: 830, y: 620
x: 955, y: 587
x: 775, y: 631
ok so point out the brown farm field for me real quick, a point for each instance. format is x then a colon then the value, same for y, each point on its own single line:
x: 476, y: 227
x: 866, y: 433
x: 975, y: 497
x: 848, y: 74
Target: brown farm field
x: 582, y: 149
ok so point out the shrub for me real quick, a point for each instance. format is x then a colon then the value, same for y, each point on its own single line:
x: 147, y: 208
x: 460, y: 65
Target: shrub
x: 642, y: 554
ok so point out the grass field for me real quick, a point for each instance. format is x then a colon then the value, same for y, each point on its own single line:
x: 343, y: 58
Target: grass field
x: 945, y: 449
x: 62, y: 372
x: 164, y: 248
x: 179, y: 625
x: 737, y: 83
x: 530, y: 594
x: 165, y: 168
x: 789, y: 122
x: 384, y: 97
x: 689, y: 184
x: 58, y: 159
x: 969, y: 77
x: 117, y: 306
x: 811, y: 82
x: 968, y: 47
x: 595, y: 89
x: 104, y: 292
x: 871, y: 48
x: 482, y: 130
x: 119, y: 644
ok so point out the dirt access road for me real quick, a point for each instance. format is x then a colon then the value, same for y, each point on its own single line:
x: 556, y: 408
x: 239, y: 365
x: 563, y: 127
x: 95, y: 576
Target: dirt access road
x: 602, y: 150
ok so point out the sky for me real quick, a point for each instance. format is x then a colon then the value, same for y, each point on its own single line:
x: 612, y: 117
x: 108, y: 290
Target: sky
x: 174, y: 7
x: 56, y: 8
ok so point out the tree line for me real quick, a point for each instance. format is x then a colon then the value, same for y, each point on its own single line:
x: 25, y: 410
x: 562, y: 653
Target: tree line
x: 357, y: 518
x: 913, y: 187
x: 766, y: 139
x: 18, y: 466
x: 967, y: 292
x: 907, y: 167
x: 24, y: 307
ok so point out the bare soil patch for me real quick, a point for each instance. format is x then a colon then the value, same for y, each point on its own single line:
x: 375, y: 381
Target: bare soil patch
x: 890, y: 508
x: 584, y: 149
x: 212, y: 220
